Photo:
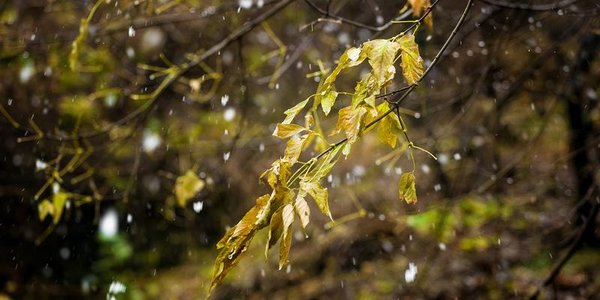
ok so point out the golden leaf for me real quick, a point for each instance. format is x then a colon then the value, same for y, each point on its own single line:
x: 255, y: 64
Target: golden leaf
x: 349, y: 120
x: 294, y: 148
x: 350, y: 58
x: 419, y: 7
x: 381, y: 54
x: 412, y: 63
x: 319, y: 195
x: 284, y: 247
x: 287, y: 130
x: 187, y: 186
x: 302, y: 209
x: 407, y: 188
x: 389, y: 127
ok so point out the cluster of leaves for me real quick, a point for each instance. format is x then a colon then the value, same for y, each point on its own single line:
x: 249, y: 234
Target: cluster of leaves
x: 292, y: 180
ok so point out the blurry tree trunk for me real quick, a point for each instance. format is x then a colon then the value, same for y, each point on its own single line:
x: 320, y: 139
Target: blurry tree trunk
x: 583, y: 133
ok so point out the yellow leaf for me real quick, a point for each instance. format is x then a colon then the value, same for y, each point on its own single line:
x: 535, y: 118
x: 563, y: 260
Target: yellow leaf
x: 350, y: 58
x: 287, y: 216
x: 349, y: 120
x: 381, y: 54
x: 287, y: 130
x: 237, y: 239
x: 302, y: 209
x: 265, y: 204
x: 187, y: 186
x: 309, y: 120
x: 319, y: 195
x: 286, y: 241
x: 228, y: 257
x: 45, y: 208
x: 284, y: 248
x: 278, y: 172
x: 292, y: 112
x: 412, y: 63
x: 419, y: 7
x: 389, y: 127
x: 294, y: 148
x: 407, y: 188
x: 58, y: 201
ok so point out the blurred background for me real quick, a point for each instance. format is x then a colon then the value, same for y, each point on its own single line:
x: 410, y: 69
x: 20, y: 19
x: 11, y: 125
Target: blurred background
x: 105, y: 193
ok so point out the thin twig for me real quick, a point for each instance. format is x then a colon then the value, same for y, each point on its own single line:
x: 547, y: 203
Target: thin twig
x: 529, y: 6
x: 329, y: 16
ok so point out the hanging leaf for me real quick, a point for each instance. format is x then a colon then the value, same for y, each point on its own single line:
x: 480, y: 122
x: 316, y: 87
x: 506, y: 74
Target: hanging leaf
x: 302, y: 209
x: 278, y: 173
x: 187, y: 186
x: 319, y: 195
x: 420, y: 7
x: 284, y: 248
x: 294, y: 148
x: 292, y: 112
x: 54, y: 208
x: 407, y: 188
x: 350, y: 58
x: 229, y: 256
x: 328, y: 101
x: 286, y: 241
x: 381, y: 54
x: 389, y: 127
x: 412, y: 63
x: 275, y: 229
x: 349, y: 121
x: 45, y: 208
x: 237, y: 239
x: 285, y: 131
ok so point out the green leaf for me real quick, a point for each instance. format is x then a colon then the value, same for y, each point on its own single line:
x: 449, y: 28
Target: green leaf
x: 292, y: 112
x: 381, y: 54
x: 319, y: 195
x: 287, y: 130
x: 328, y: 101
x: 412, y: 63
x: 407, y: 188
x: 187, y: 186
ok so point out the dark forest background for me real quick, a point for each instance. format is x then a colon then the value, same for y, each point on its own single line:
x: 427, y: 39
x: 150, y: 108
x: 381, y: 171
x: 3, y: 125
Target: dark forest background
x: 149, y: 185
